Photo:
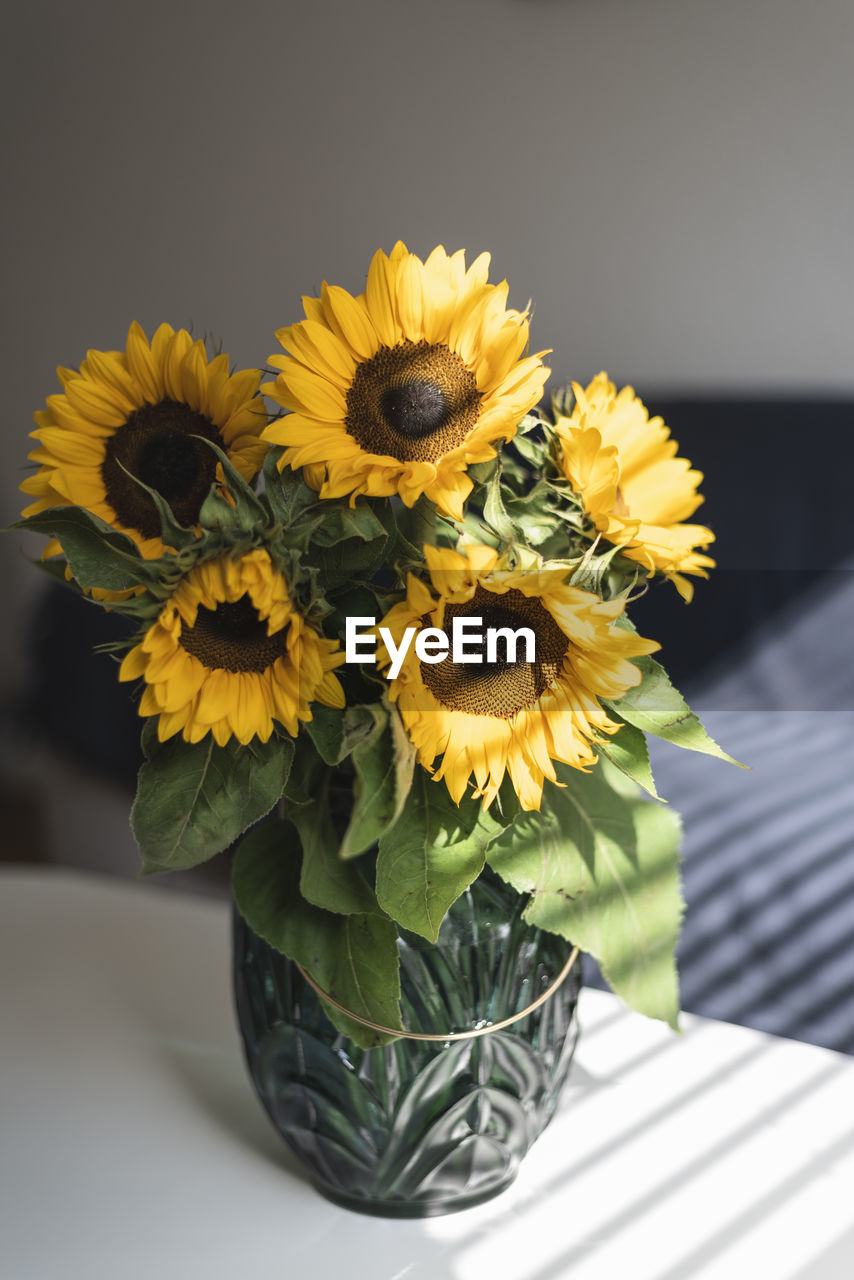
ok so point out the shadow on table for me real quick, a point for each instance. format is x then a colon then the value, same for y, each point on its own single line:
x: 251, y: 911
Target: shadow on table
x: 657, y: 1190
x: 836, y: 1263
x: 198, y: 1040
x: 221, y: 1088
x: 353, y: 1244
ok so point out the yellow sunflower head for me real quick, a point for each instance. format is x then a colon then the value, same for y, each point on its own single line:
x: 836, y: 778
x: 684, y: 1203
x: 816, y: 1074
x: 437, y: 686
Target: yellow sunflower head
x: 139, y: 411
x: 402, y: 388
x: 229, y: 654
x: 636, y: 491
x: 506, y: 715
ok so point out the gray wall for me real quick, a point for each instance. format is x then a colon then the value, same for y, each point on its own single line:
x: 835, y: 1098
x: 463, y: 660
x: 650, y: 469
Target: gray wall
x: 671, y: 181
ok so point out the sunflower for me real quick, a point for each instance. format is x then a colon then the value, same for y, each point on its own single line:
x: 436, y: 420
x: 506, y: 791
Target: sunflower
x: 138, y: 411
x: 509, y: 716
x: 229, y: 654
x: 636, y: 491
x: 402, y: 388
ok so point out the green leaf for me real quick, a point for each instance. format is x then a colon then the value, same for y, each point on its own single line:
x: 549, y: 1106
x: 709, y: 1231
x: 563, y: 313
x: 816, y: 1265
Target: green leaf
x: 288, y: 494
x: 562, y: 402
x: 657, y: 708
x: 55, y: 567
x: 400, y: 550
x: 629, y: 752
x: 533, y: 451
x: 529, y: 518
x: 602, y: 866
x: 335, y: 733
x: 293, y: 504
x: 246, y: 510
x: 306, y: 772
x: 533, y: 515
x: 194, y: 800
x: 347, y: 558
x: 173, y: 534
x: 531, y: 422
x: 353, y: 958
x: 327, y: 881
x: 298, y: 535
x: 342, y: 522
x: 494, y: 511
x: 217, y: 515
x: 97, y: 555
x: 384, y: 759
x: 482, y: 472
x: 432, y: 856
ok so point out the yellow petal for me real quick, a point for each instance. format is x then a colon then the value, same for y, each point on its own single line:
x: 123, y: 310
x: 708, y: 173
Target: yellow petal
x: 352, y: 319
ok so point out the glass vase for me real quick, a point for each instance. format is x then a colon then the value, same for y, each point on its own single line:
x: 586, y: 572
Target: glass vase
x: 417, y: 1128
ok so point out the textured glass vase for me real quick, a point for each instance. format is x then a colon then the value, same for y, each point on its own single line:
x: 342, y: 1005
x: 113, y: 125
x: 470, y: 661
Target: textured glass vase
x: 417, y: 1128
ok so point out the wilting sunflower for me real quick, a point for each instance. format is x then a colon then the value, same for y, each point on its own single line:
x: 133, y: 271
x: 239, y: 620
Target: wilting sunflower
x: 636, y: 491
x: 510, y: 716
x: 402, y: 388
x: 229, y: 654
x: 139, y: 411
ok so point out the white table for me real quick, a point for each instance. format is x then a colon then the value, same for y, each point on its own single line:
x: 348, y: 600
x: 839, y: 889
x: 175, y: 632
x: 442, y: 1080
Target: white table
x: 133, y: 1148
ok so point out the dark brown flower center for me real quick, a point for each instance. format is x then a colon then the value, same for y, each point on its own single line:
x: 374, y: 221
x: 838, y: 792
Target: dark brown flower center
x: 415, y: 409
x: 413, y: 402
x: 156, y: 445
x: 233, y: 637
x: 499, y: 689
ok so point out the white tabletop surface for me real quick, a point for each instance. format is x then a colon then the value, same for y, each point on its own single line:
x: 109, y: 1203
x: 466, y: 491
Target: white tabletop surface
x: 132, y: 1146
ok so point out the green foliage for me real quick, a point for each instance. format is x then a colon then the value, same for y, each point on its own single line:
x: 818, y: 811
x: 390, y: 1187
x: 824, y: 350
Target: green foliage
x: 402, y: 552
x: 629, y: 752
x: 602, y: 868
x: 97, y: 555
x: 432, y: 856
x: 173, y: 534
x: 353, y: 958
x: 294, y: 506
x: 335, y: 733
x: 520, y: 508
x: 384, y: 760
x: 101, y: 558
x: 287, y: 493
x: 373, y: 739
x: 349, y: 543
x: 342, y: 523
x: 534, y: 515
x: 655, y: 707
x: 55, y: 567
x: 327, y: 880
x: 301, y: 783
x: 194, y: 800
x: 241, y: 511
x: 494, y: 511
x: 531, y: 449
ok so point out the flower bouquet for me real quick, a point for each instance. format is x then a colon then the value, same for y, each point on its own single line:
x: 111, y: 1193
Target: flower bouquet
x: 398, y: 678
